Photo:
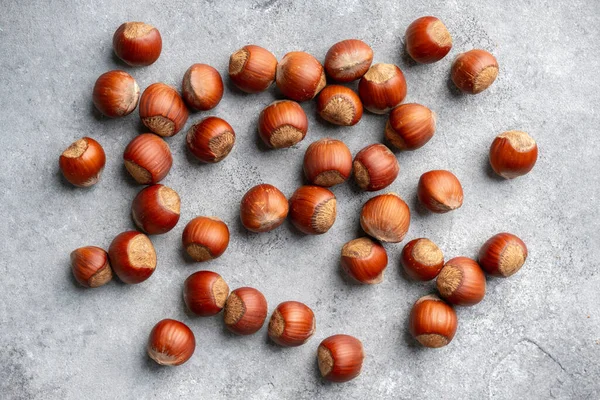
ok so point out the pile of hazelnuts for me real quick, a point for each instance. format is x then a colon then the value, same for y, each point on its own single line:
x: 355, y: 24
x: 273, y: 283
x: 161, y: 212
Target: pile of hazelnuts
x: 312, y: 208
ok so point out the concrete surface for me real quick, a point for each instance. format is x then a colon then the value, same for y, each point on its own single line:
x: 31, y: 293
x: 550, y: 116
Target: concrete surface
x: 535, y: 336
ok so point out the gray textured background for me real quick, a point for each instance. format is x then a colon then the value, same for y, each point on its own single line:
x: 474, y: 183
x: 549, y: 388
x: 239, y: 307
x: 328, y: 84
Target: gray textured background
x: 536, y: 335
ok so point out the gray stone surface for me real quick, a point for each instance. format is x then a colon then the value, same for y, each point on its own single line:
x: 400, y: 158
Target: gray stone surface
x: 536, y: 335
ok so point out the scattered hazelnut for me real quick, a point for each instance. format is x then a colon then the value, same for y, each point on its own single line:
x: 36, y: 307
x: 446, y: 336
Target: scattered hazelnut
x: 202, y: 87
x: 263, y: 208
x: 148, y: 158
x: 364, y: 260
x: 503, y: 255
x: 155, y: 209
x: 245, y: 311
x: 410, y: 126
x: 433, y: 322
x: 82, y: 162
x: 513, y: 154
x: 137, y: 44
x: 386, y: 217
x: 339, y: 105
x: 116, y: 94
x: 171, y: 343
x: 300, y: 76
x: 428, y: 40
x: 461, y: 282
x: 348, y: 60
x: 210, y: 140
x: 205, y: 293
x: 327, y: 162
x: 90, y: 266
x: 132, y: 257
x: 440, y: 191
x: 375, y: 167
x: 292, y: 324
x: 205, y: 238
x: 340, y: 358
x: 382, y: 88
x: 252, y: 68
x: 313, y: 209
x: 162, y: 110
x: 422, y: 259
x: 474, y: 71
x: 282, y: 124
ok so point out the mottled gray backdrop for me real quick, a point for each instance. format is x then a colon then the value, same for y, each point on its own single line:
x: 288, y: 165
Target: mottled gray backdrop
x: 535, y: 336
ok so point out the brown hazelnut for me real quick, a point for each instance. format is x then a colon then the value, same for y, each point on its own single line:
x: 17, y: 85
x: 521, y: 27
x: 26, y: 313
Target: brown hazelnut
x: 339, y: 105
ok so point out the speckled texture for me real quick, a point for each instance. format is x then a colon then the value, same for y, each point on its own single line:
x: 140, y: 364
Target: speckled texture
x: 536, y: 335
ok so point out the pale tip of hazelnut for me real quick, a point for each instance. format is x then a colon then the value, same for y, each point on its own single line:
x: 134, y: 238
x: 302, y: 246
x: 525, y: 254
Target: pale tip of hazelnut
x: 234, y: 309
x: 237, y: 61
x: 76, y: 149
x: 512, y: 259
x: 135, y: 30
x: 221, y: 145
x: 276, y: 324
x: 285, y: 136
x: 324, y: 216
x: 160, y: 125
x: 329, y: 178
x: 358, y: 248
x: 427, y: 253
x: 141, y: 253
x: 101, y: 277
x: 361, y: 175
x: 440, y: 33
x: 339, y: 110
x: 140, y: 174
x: 484, y: 79
x: 380, y: 73
x: 220, y: 290
x: 322, y: 83
x: 519, y: 140
x: 169, y: 199
x: 432, y: 297
x: 432, y: 340
x: 198, y: 252
x: 161, y: 358
x: 449, y: 280
x: 325, y: 360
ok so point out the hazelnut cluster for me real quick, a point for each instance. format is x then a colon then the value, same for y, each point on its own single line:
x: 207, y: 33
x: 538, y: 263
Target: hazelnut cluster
x: 312, y: 208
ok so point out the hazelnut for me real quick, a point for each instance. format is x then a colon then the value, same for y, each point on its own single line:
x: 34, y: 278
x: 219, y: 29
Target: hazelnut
x: 210, y: 140
x: 410, y: 126
x: 282, y: 124
x: 202, y: 87
x: 513, y: 154
x: 300, y: 76
x: 386, y: 217
x: 137, y: 44
x: 422, y: 259
x: 252, y: 68
x: 327, y: 162
x: 474, y: 71
x: 339, y: 105
x: 313, y: 209
x: 461, y: 282
x: 375, y: 167
x: 82, y: 162
x: 348, y: 60
x: 428, y: 40
x: 382, y: 88
x: 503, y: 255
x: 432, y: 322
x: 364, y: 260
x: 440, y: 191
